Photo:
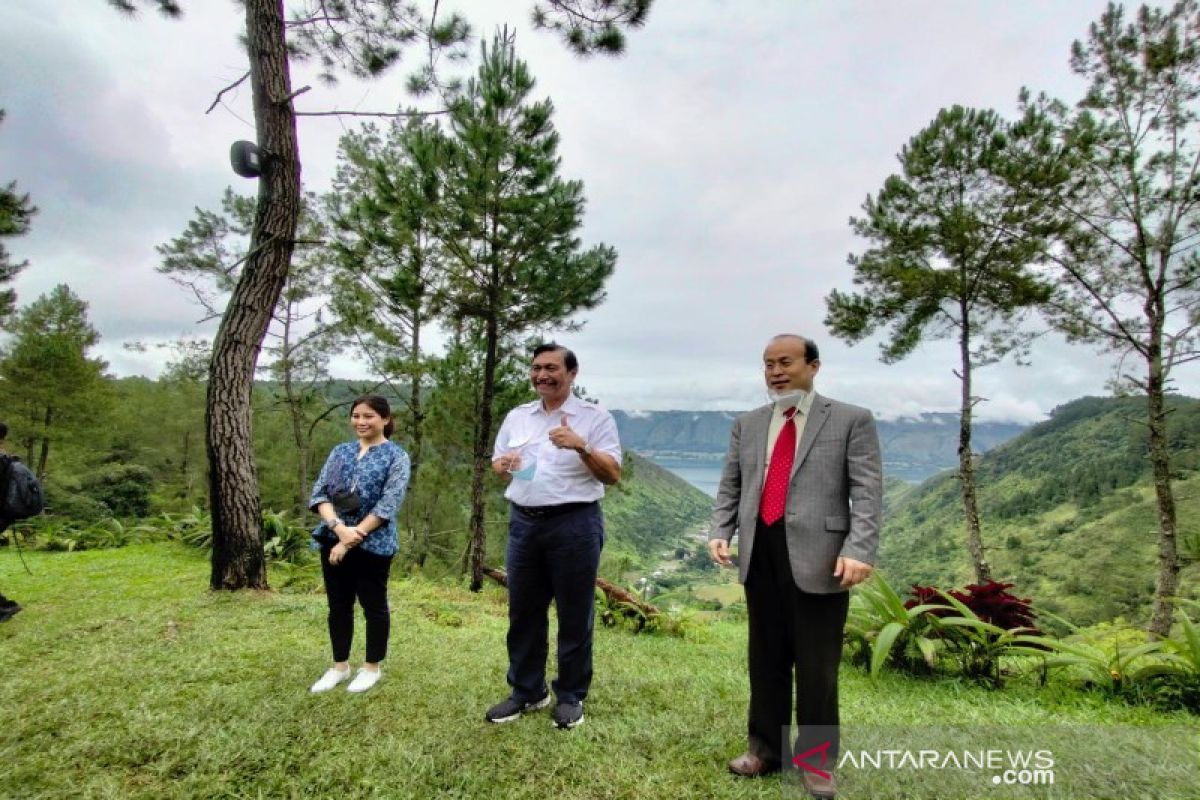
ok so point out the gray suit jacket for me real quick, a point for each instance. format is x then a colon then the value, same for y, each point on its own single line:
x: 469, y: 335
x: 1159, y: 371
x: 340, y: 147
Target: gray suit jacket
x: 835, y: 496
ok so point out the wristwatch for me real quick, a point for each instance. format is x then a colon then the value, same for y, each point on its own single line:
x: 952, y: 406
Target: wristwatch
x: 587, y: 449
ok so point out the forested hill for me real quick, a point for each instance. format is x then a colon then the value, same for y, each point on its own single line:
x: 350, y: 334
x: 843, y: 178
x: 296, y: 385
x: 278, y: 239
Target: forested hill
x: 1068, y: 512
x: 651, y: 510
x: 913, y: 448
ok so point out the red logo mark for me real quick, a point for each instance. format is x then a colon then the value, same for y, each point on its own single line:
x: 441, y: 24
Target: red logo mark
x: 802, y: 764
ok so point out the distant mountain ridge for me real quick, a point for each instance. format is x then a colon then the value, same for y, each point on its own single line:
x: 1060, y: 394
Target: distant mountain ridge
x: 913, y: 448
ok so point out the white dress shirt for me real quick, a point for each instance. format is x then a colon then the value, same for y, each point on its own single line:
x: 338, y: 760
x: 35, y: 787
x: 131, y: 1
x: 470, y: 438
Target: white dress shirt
x: 560, y: 476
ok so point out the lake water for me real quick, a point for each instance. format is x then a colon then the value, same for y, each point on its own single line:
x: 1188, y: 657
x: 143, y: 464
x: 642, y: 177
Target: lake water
x: 704, y: 474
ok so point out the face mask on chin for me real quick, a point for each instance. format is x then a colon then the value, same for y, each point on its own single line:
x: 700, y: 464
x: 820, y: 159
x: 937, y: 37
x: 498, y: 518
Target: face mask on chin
x: 787, y: 397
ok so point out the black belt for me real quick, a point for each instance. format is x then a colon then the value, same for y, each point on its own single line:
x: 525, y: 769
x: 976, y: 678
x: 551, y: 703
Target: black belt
x: 541, y: 512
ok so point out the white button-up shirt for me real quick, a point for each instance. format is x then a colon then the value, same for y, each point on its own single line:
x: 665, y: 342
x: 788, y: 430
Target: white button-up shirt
x: 558, y: 475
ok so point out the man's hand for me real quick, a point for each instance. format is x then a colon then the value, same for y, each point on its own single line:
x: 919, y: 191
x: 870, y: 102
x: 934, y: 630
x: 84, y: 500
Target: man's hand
x: 719, y: 550
x: 851, y: 571
x: 565, y: 438
x: 337, y: 553
x: 509, y: 462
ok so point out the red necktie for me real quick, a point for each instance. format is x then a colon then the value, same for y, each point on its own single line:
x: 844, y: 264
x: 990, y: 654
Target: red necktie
x: 774, y: 495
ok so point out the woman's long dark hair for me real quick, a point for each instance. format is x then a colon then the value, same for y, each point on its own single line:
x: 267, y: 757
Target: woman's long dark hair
x: 381, y: 407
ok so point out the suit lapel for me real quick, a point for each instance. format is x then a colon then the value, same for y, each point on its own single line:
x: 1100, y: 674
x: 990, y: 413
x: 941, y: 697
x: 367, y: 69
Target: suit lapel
x: 818, y: 414
x: 757, y: 427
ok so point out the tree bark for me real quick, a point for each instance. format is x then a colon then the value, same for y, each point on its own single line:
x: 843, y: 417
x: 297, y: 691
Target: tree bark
x: 45, y: 453
x: 1167, y: 584
x: 296, y: 415
x: 966, y: 462
x: 477, y: 551
x: 237, y: 559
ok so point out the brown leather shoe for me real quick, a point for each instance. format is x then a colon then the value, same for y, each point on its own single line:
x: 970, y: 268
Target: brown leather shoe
x: 748, y: 765
x: 818, y: 786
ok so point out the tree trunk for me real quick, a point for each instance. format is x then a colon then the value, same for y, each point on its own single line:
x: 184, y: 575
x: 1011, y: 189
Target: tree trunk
x: 237, y: 558
x: 1167, y: 584
x: 614, y: 594
x: 414, y: 397
x: 45, y: 454
x: 296, y: 415
x: 966, y: 461
x: 184, y: 481
x: 476, y: 552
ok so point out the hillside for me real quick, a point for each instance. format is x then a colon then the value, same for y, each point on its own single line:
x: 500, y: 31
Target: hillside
x: 1068, y: 512
x: 913, y: 448
x: 651, y: 510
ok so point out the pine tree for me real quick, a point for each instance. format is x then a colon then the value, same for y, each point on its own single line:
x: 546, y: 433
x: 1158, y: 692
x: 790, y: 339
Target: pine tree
x: 953, y: 239
x: 15, y: 214
x: 510, y: 226
x: 1125, y: 178
x: 363, y: 38
x: 49, y: 380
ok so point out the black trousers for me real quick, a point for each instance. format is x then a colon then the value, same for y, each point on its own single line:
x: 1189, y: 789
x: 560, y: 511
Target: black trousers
x: 364, y: 576
x: 552, y: 558
x: 795, y: 637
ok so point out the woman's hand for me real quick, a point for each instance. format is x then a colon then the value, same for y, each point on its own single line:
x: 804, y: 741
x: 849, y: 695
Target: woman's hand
x: 347, y: 535
x: 337, y: 553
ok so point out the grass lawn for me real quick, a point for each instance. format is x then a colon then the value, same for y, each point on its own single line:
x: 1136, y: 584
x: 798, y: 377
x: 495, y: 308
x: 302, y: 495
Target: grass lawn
x: 125, y: 678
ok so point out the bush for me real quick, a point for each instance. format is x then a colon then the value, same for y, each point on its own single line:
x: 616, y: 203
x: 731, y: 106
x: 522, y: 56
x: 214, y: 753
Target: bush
x: 64, y: 500
x: 123, y: 488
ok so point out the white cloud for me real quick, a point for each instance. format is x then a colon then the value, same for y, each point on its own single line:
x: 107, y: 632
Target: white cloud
x: 722, y: 157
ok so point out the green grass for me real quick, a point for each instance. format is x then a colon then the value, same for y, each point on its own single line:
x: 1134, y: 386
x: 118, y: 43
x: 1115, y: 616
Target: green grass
x: 125, y: 678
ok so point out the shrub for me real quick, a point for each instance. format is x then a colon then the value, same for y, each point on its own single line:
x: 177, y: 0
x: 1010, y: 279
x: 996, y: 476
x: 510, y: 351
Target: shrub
x: 881, y: 628
x: 123, y: 488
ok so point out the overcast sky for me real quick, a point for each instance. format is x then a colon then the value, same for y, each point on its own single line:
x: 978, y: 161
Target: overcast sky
x: 722, y: 157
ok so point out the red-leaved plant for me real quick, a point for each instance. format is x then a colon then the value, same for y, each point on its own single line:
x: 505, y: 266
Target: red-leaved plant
x: 991, y: 602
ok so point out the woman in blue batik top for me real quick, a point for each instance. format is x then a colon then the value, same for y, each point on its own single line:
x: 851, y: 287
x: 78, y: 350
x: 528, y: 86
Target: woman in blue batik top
x: 358, y: 495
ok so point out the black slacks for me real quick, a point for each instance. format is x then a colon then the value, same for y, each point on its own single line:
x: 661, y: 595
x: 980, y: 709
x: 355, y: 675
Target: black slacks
x: 364, y: 576
x: 794, y: 636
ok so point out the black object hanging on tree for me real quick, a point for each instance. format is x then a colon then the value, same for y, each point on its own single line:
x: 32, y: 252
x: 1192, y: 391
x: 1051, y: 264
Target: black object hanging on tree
x: 243, y: 156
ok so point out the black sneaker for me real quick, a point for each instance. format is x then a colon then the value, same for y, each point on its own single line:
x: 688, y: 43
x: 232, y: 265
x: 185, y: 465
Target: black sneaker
x: 8, y: 612
x: 511, y: 709
x: 568, y: 715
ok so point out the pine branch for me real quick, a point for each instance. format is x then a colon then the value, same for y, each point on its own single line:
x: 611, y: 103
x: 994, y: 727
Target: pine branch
x: 216, y: 101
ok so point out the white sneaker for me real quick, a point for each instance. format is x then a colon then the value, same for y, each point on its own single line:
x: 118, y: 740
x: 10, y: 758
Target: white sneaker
x: 332, y: 677
x: 364, y: 679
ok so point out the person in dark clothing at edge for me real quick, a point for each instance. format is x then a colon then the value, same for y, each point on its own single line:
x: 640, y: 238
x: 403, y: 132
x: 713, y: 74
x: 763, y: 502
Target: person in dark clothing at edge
x: 8, y: 608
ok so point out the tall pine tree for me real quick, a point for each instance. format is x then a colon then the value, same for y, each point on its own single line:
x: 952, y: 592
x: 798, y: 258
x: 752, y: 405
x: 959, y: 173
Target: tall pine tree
x: 509, y: 225
x: 953, y: 239
x: 1125, y: 178
x: 15, y: 213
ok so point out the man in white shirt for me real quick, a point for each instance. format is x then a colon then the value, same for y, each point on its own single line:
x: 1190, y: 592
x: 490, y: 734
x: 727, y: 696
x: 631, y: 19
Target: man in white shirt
x: 558, y: 453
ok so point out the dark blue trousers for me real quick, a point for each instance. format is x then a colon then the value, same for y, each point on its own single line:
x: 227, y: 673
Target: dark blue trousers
x: 552, y: 558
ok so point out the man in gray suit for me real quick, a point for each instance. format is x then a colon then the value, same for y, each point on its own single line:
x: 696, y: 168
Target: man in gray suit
x: 802, y: 486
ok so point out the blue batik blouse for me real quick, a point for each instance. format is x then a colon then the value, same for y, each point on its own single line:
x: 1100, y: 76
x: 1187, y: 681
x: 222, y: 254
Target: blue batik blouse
x: 379, y: 478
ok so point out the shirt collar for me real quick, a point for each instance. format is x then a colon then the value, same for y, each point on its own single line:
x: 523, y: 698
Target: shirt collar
x: 802, y: 405
x: 570, y: 406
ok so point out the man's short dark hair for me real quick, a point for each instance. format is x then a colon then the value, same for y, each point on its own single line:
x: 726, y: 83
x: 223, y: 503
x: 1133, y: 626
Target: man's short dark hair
x: 569, y: 360
x: 811, y: 353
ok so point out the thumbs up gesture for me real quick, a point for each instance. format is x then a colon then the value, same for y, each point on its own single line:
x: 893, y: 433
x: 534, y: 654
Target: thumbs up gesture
x: 565, y: 438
